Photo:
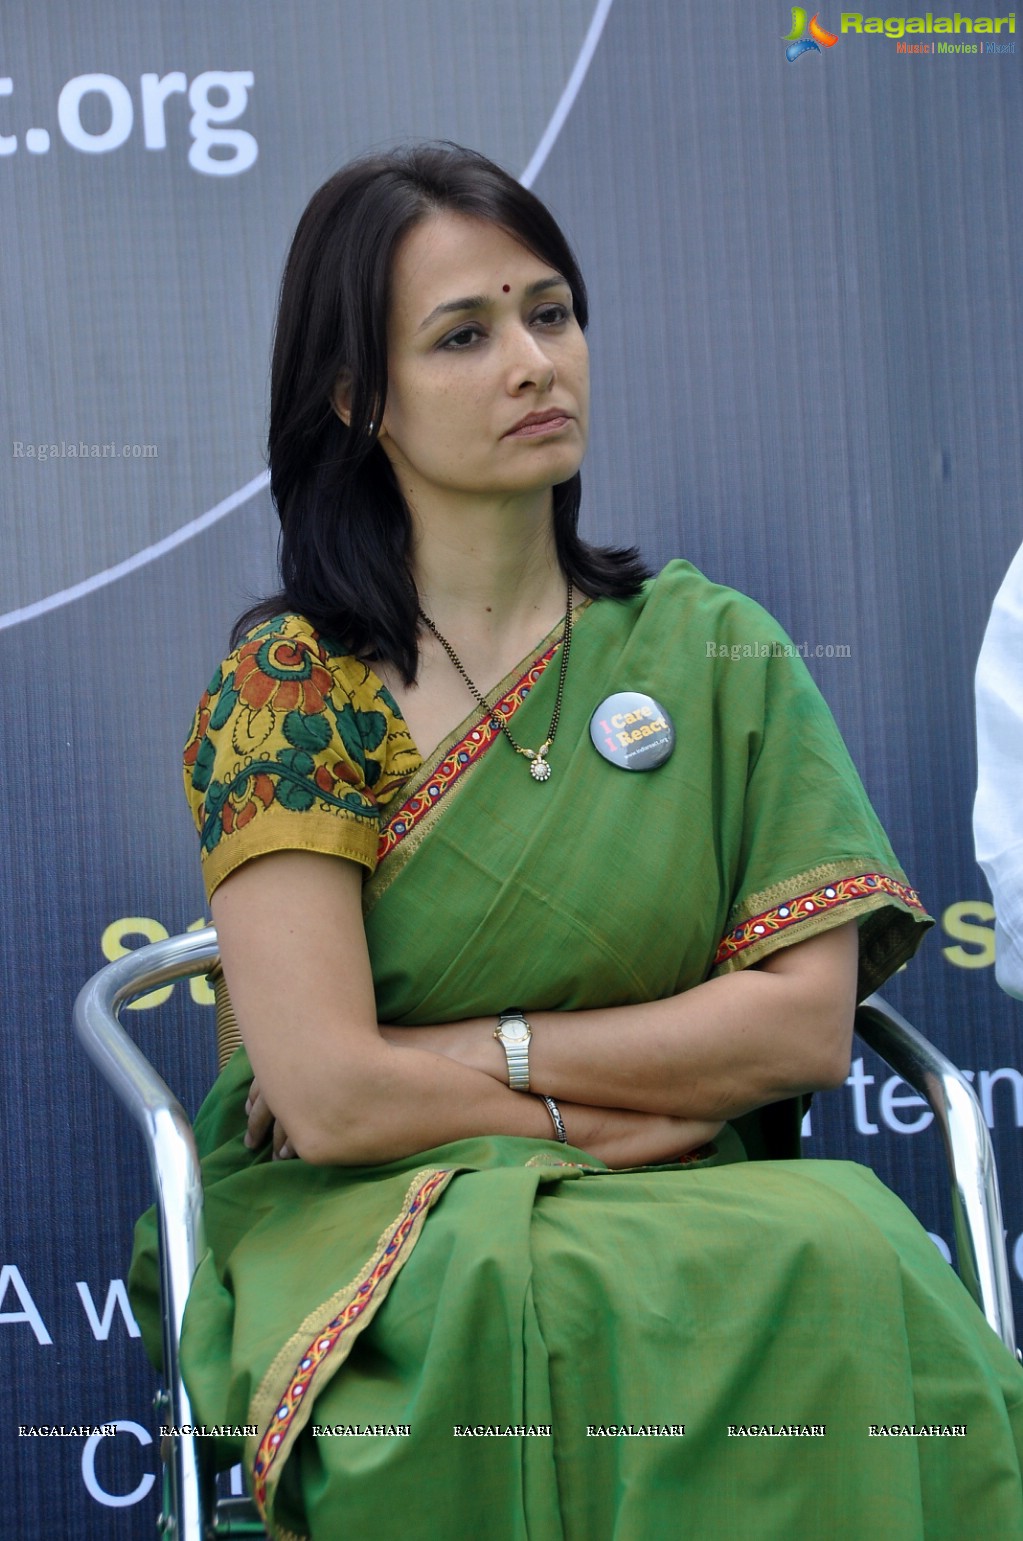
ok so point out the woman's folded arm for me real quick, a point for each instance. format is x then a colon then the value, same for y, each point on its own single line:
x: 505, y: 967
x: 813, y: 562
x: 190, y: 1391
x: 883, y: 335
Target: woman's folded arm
x: 727, y: 1046
x: 296, y: 963
x: 718, y: 1050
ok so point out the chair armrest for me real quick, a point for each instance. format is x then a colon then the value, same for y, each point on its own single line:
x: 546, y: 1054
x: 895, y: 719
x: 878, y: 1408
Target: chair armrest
x: 976, y: 1207
x: 173, y: 1160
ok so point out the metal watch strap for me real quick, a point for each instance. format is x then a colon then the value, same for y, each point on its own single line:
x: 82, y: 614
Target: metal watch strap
x: 516, y: 1048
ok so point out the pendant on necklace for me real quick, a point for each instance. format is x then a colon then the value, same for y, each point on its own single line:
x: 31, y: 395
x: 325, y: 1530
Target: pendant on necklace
x: 538, y: 767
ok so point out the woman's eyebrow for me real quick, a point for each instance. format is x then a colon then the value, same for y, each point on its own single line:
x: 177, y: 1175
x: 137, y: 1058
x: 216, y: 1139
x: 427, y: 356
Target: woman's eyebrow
x: 481, y: 301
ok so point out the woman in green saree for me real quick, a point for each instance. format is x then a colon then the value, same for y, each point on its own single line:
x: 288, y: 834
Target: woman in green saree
x: 520, y: 1278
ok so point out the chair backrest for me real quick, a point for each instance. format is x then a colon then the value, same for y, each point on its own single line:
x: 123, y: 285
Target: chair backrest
x: 976, y: 1202
x: 174, y: 1167
x: 229, y: 1036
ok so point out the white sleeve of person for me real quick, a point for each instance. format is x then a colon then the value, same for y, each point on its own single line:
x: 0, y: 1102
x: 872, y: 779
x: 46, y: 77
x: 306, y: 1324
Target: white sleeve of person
x: 998, y: 810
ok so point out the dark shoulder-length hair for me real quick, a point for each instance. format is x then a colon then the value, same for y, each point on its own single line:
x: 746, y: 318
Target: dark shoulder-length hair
x: 346, y: 530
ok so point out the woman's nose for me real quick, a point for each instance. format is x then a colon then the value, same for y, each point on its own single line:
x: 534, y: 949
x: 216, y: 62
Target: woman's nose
x: 532, y: 367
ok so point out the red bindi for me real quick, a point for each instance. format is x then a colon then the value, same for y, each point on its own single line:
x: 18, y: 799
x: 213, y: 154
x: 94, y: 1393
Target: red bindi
x: 506, y: 288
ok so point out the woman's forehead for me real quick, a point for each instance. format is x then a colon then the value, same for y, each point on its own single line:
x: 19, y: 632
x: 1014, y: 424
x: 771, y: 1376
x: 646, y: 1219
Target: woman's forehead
x: 450, y: 256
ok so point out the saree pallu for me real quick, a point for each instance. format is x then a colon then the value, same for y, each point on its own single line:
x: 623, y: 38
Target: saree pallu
x: 702, y: 1347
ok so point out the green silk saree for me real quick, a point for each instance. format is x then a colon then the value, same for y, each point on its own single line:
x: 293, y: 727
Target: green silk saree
x: 500, y: 1337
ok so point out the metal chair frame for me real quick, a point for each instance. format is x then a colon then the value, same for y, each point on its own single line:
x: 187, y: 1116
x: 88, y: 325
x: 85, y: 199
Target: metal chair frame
x: 192, y: 1511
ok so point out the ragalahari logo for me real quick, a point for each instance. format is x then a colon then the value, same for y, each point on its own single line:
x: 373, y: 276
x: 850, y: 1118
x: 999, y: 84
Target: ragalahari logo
x: 798, y: 44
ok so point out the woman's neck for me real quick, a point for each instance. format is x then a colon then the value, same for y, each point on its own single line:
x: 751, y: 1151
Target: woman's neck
x: 489, y: 580
x: 490, y: 575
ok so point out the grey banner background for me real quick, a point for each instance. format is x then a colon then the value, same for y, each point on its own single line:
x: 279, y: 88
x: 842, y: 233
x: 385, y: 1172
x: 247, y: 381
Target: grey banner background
x: 807, y: 380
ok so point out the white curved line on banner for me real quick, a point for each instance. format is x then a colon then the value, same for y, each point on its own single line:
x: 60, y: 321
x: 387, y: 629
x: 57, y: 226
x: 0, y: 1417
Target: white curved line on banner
x: 234, y: 500
x: 568, y: 96
x: 141, y: 558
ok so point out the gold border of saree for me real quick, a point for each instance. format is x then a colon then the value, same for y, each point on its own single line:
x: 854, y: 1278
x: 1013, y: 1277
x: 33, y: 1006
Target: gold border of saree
x: 283, y: 1403
x: 813, y: 901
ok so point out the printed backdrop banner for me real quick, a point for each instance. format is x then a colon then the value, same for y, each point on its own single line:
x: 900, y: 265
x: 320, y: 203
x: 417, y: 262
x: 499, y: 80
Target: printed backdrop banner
x: 807, y: 380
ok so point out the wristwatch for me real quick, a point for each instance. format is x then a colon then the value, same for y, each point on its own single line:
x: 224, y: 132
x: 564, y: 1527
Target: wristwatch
x: 514, y: 1033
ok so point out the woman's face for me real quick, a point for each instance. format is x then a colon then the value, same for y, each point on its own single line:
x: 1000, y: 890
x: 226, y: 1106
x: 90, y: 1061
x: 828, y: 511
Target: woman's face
x: 488, y: 370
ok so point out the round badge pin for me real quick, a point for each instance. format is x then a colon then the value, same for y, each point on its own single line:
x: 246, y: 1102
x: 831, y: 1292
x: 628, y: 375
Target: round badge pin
x: 632, y: 731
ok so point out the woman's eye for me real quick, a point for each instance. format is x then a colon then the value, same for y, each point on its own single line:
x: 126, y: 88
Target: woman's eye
x: 465, y: 337
x: 552, y: 315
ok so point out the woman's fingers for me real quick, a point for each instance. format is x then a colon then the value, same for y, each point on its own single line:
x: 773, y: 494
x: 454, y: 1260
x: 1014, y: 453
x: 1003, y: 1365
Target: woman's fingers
x: 260, y: 1118
x: 282, y: 1145
x: 261, y: 1122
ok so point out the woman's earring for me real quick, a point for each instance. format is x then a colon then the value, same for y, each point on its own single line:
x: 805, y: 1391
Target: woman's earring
x: 372, y: 427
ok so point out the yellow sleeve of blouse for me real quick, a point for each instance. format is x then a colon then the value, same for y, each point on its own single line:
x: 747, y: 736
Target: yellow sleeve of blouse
x: 295, y: 746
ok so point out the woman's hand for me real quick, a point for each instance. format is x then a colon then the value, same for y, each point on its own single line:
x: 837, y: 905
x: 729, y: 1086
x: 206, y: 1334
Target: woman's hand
x: 617, y: 1136
x: 622, y: 1138
x: 261, y: 1121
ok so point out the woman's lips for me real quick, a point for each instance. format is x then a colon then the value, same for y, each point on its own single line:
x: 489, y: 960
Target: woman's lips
x: 538, y: 423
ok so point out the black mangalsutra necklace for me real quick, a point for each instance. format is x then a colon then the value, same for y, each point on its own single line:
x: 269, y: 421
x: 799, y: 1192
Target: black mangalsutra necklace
x: 539, y: 769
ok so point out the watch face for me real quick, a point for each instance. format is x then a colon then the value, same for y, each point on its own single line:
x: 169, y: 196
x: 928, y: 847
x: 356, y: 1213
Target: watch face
x: 515, y: 1032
